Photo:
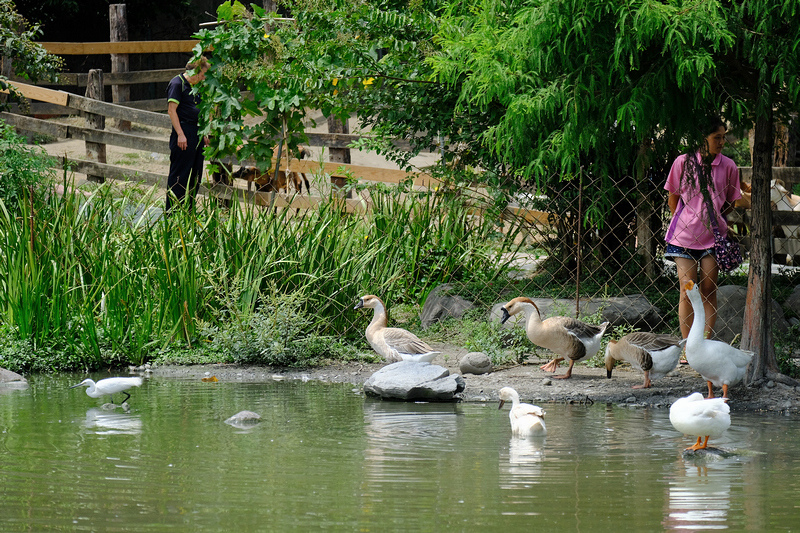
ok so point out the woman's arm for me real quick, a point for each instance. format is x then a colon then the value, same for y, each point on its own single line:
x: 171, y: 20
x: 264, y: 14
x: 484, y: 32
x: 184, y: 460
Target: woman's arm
x: 672, y: 202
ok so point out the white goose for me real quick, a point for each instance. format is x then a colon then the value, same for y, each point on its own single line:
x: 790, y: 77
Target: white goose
x: 394, y: 344
x: 526, y: 419
x: 695, y: 415
x: 655, y: 354
x: 720, y: 364
x: 567, y: 337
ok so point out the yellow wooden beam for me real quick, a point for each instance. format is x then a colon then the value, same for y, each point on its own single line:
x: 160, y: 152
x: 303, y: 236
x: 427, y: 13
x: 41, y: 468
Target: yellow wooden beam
x: 122, y: 47
x: 33, y: 92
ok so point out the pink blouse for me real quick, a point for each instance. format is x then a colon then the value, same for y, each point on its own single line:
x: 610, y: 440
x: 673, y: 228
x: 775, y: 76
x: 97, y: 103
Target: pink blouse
x: 691, y: 226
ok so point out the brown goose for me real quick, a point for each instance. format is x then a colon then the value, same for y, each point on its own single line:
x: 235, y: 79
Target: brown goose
x: 394, y: 344
x: 655, y: 354
x: 566, y: 337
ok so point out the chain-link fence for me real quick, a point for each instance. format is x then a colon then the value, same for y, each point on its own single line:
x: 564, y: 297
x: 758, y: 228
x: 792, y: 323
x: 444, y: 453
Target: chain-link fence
x: 591, y: 249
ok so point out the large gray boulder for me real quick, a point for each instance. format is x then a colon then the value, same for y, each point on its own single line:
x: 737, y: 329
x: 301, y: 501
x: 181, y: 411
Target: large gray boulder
x: 440, y: 305
x: 412, y: 380
x: 10, y: 381
x: 731, y: 303
x: 7, y: 376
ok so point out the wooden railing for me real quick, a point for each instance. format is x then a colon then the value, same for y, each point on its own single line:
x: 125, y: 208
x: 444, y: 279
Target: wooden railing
x: 161, y: 146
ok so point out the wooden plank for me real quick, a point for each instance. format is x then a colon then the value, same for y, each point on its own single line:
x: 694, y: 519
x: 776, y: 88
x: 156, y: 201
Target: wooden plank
x: 41, y: 108
x: 148, y: 118
x: 61, y: 131
x: 35, y: 125
x: 113, y: 172
x: 78, y: 79
x: 127, y: 47
x: 343, y: 140
x: 786, y: 218
x: 786, y: 174
x: 156, y: 105
x: 89, y: 105
x: 533, y: 216
x: 126, y: 140
x: 33, y: 92
x: 384, y: 175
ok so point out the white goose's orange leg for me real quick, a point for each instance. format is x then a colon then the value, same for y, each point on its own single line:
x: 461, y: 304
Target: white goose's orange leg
x: 724, y: 390
x: 710, y: 391
x: 699, y: 446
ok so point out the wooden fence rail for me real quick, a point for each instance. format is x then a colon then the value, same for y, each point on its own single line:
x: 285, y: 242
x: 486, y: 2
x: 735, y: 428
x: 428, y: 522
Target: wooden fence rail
x: 149, y: 144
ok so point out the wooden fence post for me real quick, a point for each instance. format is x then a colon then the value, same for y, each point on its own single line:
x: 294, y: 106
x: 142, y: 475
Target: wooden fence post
x: 95, y: 151
x: 339, y: 155
x: 118, y: 20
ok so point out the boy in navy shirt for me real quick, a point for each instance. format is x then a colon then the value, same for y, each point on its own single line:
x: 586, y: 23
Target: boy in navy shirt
x: 186, y: 151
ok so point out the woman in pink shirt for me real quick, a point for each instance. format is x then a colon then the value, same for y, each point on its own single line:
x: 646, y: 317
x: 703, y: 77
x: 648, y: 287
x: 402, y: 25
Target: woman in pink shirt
x: 694, y: 180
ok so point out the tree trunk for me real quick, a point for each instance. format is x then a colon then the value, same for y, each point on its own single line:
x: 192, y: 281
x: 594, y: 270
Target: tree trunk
x: 119, y: 62
x: 757, y: 330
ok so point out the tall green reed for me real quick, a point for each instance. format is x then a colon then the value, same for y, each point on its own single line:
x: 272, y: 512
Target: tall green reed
x: 96, y: 276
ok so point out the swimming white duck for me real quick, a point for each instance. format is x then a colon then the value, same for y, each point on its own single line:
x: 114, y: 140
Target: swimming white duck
x: 567, y: 337
x: 526, y: 419
x: 720, y: 364
x: 655, y: 354
x: 394, y: 344
x: 695, y: 415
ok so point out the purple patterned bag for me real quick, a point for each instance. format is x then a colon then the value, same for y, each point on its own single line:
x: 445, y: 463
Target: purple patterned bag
x: 726, y: 250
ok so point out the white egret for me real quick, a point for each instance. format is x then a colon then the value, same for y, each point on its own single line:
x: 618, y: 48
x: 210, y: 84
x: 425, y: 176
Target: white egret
x: 109, y: 387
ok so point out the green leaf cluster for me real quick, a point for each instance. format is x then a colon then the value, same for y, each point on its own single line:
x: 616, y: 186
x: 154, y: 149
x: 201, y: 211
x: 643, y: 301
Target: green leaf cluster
x: 28, y: 60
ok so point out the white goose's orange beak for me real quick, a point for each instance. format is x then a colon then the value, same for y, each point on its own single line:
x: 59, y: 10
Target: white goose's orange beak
x: 689, y: 285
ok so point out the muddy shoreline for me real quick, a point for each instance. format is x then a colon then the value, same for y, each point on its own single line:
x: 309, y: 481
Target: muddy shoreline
x: 587, y: 385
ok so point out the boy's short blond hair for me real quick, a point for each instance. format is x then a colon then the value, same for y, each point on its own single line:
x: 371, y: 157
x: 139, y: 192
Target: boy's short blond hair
x: 202, y: 63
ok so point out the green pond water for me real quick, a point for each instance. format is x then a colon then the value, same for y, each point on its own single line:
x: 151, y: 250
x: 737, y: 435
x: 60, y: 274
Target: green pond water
x: 325, y: 457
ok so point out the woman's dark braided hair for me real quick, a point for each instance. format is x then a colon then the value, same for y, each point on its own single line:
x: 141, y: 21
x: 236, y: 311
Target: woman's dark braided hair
x: 697, y: 174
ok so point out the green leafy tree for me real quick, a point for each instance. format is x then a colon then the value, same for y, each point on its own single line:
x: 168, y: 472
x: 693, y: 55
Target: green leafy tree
x: 760, y: 75
x: 341, y: 57
x: 20, y: 55
x: 28, y: 59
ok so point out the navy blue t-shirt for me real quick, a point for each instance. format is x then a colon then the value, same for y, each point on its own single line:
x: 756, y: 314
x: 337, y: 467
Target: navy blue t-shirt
x: 180, y: 91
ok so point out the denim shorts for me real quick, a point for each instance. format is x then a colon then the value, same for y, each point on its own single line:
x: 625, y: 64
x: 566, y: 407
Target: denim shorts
x: 673, y: 251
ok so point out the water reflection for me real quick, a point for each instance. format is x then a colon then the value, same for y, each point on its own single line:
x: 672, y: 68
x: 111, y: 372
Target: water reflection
x: 700, y: 493
x: 524, y: 462
x: 105, y: 422
x: 401, y: 435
